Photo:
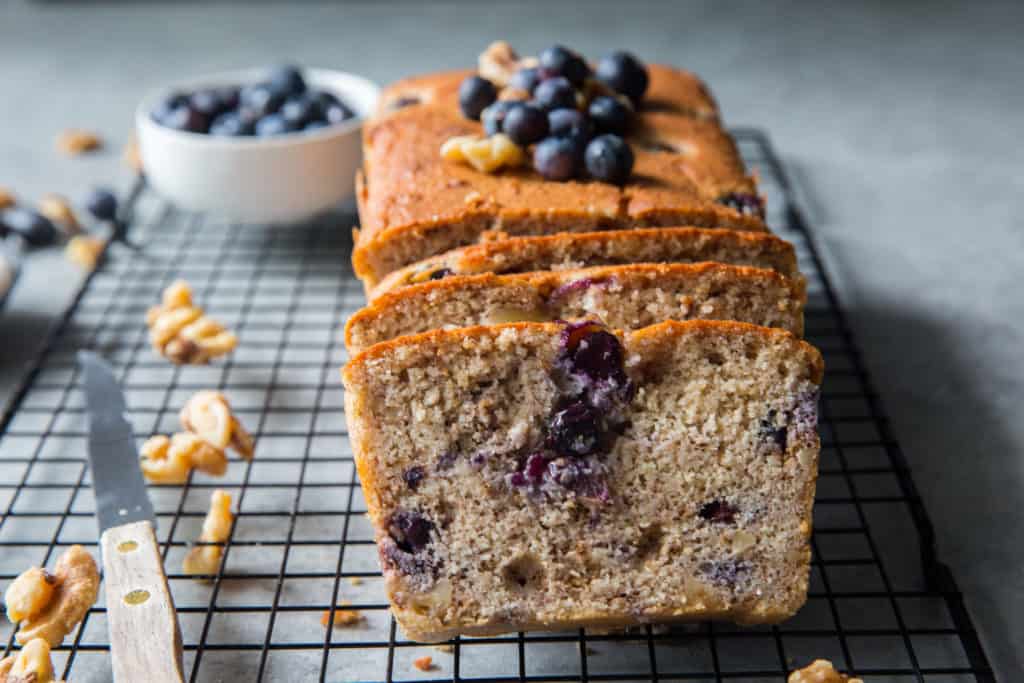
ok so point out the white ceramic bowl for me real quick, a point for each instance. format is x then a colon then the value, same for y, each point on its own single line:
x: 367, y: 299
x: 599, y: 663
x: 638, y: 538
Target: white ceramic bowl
x: 280, y: 179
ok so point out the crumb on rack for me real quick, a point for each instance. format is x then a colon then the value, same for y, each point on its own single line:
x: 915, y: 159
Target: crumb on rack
x: 343, y: 615
x: 425, y: 663
x: 73, y: 141
x: 355, y: 580
x: 446, y: 648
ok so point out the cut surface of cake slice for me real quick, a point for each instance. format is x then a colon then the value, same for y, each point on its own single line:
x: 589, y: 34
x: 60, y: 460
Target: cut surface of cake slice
x: 567, y: 251
x: 552, y: 476
x: 622, y: 297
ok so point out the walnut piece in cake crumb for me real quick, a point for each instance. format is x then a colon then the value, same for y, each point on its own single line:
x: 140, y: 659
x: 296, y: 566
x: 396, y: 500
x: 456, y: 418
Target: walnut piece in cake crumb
x: 425, y: 663
x: 73, y: 142
x: 820, y: 671
x: 343, y: 616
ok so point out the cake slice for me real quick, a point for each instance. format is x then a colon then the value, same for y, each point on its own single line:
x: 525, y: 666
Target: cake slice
x: 552, y: 476
x: 623, y: 297
x: 566, y: 251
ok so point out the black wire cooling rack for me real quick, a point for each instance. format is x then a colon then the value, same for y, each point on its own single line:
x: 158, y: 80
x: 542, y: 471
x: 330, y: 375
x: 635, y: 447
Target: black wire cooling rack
x: 880, y: 603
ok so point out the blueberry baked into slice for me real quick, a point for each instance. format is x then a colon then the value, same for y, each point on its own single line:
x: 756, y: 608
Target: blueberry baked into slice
x: 556, y: 475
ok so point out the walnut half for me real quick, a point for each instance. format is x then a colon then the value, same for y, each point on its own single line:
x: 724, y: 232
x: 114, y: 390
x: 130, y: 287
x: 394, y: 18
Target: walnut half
x: 820, y: 671
x: 181, y: 332
x: 76, y: 585
x: 205, y: 559
x: 31, y: 665
x: 208, y: 415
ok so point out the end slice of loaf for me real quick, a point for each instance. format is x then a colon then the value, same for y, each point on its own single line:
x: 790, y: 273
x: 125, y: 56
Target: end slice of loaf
x: 546, y: 476
x: 566, y: 251
x: 623, y: 297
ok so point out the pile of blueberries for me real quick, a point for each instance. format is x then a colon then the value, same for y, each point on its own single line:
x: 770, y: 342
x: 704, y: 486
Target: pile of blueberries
x: 568, y: 141
x: 281, y: 104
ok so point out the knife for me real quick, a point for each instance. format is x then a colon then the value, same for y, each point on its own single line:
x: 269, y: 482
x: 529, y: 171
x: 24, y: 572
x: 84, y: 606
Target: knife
x: 145, y: 639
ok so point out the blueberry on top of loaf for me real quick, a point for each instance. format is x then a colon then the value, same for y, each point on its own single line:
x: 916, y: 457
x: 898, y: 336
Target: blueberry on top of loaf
x: 625, y: 297
x: 566, y: 251
x: 570, y: 476
x: 414, y: 204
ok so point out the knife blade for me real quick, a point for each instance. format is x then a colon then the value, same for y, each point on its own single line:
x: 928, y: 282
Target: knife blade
x: 117, y: 481
x: 145, y: 638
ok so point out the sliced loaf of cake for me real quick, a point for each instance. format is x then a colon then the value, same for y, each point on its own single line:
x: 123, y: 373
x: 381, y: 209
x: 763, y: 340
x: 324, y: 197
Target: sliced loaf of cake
x: 551, y: 476
x: 565, y: 251
x: 623, y: 297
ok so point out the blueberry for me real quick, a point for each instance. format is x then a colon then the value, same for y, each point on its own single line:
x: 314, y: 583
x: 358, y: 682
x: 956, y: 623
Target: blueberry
x: 575, y: 430
x: 167, y: 105
x: 555, y: 93
x: 228, y: 96
x: 624, y: 73
x: 440, y: 274
x: 337, y: 112
x: 526, y: 124
x: 475, y: 94
x: 185, y: 118
x: 561, y: 61
x: 718, y: 511
x: 525, y: 79
x: 414, y: 476
x: 410, y: 530
x: 233, y: 124
x: 273, y: 124
x: 298, y: 111
x: 746, y: 203
x: 101, y: 203
x: 493, y: 117
x: 35, y: 228
x: 609, y: 115
x: 556, y: 158
x: 260, y: 99
x: 286, y: 80
x: 207, y: 103
x: 570, y: 123
x: 773, y: 438
x: 598, y: 355
x: 608, y: 158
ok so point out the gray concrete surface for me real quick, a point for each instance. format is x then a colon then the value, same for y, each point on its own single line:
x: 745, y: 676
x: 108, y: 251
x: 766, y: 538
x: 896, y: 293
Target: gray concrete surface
x: 902, y: 119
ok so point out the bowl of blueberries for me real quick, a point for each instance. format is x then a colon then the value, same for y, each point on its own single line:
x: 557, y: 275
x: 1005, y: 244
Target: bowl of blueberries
x: 275, y: 145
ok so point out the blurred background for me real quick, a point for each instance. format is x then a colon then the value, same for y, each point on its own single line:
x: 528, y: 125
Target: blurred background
x: 902, y: 121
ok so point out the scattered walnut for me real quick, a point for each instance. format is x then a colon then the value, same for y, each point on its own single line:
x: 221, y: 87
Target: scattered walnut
x: 180, y: 332
x: 85, y: 250
x: 355, y: 580
x: 74, y: 142
x: 7, y: 198
x: 160, y: 466
x: 132, y: 157
x: 425, y: 663
x: 205, y: 559
x: 201, y: 455
x: 59, y: 210
x: 208, y: 415
x: 31, y: 665
x: 484, y: 154
x: 29, y: 594
x: 343, y: 615
x: 820, y: 671
x: 498, y: 63
x: 77, y: 582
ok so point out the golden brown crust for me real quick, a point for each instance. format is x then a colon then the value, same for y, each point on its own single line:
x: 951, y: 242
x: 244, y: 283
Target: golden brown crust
x: 633, y: 292
x: 613, y: 247
x: 413, y: 204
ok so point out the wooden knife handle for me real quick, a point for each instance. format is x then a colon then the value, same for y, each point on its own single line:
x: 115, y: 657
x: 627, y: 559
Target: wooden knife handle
x: 145, y: 639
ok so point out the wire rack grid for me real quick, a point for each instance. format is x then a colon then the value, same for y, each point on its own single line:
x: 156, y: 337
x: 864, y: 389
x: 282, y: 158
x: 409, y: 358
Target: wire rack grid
x: 880, y: 603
